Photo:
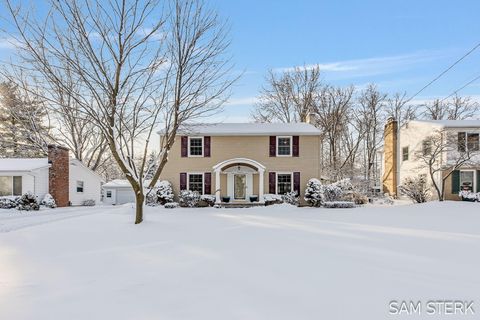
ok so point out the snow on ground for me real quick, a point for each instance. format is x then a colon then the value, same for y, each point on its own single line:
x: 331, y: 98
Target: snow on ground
x: 276, y: 262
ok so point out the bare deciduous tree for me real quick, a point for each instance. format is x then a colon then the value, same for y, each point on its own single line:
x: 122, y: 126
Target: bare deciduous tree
x: 135, y: 66
x: 397, y: 107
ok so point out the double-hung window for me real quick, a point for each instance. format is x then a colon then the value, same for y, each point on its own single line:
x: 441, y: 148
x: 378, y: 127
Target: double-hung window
x: 284, y: 183
x: 467, y: 180
x: 468, y: 141
x: 79, y: 186
x: 284, y: 146
x: 10, y: 186
x: 195, y: 182
x: 195, y: 146
x: 405, y: 153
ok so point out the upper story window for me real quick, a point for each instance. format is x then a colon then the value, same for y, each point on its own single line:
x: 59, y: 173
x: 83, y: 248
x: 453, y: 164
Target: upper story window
x: 405, y: 153
x: 284, y: 146
x: 195, y: 146
x: 79, y: 186
x: 468, y: 141
x: 427, y: 147
x: 10, y: 186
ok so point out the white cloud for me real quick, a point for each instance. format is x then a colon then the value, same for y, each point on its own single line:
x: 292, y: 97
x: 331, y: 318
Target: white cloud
x: 8, y: 43
x: 371, y: 66
x: 241, y: 101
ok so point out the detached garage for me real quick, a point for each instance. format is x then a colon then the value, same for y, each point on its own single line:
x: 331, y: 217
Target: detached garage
x: 118, y: 192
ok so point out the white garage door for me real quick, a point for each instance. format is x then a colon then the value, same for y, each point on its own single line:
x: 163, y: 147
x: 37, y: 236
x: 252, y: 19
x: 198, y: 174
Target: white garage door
x: 125, y: 196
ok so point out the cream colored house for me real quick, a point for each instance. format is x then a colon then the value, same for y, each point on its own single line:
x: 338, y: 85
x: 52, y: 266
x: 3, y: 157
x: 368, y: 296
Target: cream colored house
x: 403, y: 145
x: 241, y: 162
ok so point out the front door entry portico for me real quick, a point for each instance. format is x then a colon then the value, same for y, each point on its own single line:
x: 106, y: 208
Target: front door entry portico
x: 239, y: 186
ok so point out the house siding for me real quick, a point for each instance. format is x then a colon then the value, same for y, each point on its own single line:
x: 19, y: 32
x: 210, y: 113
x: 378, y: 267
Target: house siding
x: 252, y: 147
x: 91, y: 184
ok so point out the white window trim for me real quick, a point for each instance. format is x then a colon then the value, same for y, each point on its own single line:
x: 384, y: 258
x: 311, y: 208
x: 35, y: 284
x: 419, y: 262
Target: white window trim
x: 203, y: 180
x: 474, y: 182
x: 408, y: 153
x: 83, y: 186
x: 203, y: 147
x: 276, y: 180
x: 466, y: 138
x: 291, y: 146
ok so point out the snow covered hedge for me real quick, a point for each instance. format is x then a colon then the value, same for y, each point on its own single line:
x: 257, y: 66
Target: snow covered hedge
x: 339, y: 204
x: 317, y: 194
x: 188, y: 198
x: 28, y: 202
x: 469, y: 196
x: 171, y: 205
x: 48, y: 201
x: 9, y: 202
x: 416, y: 188
x: 291, y: 198
x: 88, y: 203
x: 271, y: 198
x: 161, y: 194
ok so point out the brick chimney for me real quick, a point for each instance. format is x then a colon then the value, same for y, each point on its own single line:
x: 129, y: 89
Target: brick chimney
x: 390, y: 157
x: 59, y: 174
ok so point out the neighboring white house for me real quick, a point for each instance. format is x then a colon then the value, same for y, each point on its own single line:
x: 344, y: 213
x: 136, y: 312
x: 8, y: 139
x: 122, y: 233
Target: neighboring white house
x: 411, y: 139
x: 118, y: 192
x: 68, y: 180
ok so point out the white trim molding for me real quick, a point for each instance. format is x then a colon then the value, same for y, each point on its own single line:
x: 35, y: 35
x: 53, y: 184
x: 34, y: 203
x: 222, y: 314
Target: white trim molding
x: 202, y: 145
x: 278, y: 145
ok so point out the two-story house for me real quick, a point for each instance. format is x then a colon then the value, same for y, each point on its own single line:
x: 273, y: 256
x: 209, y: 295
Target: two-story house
x: 405, y: 147
x: 242, y: 161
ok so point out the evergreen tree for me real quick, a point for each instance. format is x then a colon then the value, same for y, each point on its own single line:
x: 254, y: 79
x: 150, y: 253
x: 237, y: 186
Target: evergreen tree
x: 151, y: 165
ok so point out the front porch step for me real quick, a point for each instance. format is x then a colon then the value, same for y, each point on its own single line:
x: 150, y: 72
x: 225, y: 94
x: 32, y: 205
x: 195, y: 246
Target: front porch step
x: 241, y: 204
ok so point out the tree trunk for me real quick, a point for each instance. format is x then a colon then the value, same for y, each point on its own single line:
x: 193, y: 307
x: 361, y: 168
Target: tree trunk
x: 139, y: 198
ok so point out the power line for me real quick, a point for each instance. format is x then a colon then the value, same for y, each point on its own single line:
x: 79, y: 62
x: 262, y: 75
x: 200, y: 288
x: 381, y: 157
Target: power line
x: 461, y: 88
x: 445, y: 71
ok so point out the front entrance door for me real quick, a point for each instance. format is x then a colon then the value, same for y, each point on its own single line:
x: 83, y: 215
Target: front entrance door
x: 239, y: 186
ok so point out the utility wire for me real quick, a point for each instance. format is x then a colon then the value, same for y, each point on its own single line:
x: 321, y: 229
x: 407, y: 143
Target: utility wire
x: 445, y: 71
x: 461, y: 88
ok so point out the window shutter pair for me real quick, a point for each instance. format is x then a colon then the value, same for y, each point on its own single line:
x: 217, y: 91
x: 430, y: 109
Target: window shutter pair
x: 206, y: 146
x: 295, y: 146
x: 272, y: 182
x: 207, y: 182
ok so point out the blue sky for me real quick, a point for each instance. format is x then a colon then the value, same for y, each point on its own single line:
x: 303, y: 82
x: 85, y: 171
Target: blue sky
x: 400, y: 45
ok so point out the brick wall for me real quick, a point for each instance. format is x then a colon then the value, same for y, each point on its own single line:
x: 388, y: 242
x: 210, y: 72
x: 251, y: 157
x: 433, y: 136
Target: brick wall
x: 59, y: 174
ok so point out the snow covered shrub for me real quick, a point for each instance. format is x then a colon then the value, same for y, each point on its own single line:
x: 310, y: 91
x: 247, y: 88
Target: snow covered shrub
x: 28, y: 202
x: 161, y: 194
x: 469, y: 196
x: 416, y: 188
x: 345, y: 185
x: 271, y: 198
x: 313, y: 192
x: 355, y: 197
x: 330, y: 192
x: 48, y: 201
x: 9, y: 202
x: 88, y: 203
x: 290, y: 198
x: 208, y: 199
x: 339, y: 204
x: 189, y: 198
x: 171, y: 205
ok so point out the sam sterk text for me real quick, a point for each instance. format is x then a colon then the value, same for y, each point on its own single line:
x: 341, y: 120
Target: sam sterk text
x: 431, y: 307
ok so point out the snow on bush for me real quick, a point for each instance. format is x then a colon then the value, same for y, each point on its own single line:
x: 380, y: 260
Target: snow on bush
x: 313, y: 192
x: 208, y: 199
x: 48, y: 201
x: 468, y: 195
x: 88, y: 203
x: 189, y: 198
x: 416, y: 188
x: 290, y: 198
x: 339, y: 204
x: 271, y: 198
x: 9, y: 202
x: 171, y: 205
x: 316, y: 193
x: 28, y: 202
x: 161, y: 194
x: 345, y: 185
x: 331, y: 192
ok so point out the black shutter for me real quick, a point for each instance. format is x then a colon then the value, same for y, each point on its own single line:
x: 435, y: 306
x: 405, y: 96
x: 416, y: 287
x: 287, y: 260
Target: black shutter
x: 296, y: 146
x: 273, y: 146
x: 455, y: 181
x: 271, y: 182
x: 184, y: 148
x: 478, y: 180
x: 296, y: 182
x: 206, y: 147
x: 208, y: 183
x: 183, y: 181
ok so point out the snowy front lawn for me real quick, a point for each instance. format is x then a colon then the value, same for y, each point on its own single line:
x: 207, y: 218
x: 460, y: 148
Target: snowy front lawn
x: 276, y: 262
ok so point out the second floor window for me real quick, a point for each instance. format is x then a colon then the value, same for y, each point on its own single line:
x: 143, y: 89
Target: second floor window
x: 195, y: 182
x: 468, y: 141
x: 427, y: 147
x: 405, y: 153
x: 284, y: 146
x: 195, y: 147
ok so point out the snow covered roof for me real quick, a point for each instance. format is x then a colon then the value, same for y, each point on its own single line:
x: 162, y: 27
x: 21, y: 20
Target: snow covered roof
x: 123, y: 183
x: 452, y: 123
x: 250, y: 129
x: 23, y: 164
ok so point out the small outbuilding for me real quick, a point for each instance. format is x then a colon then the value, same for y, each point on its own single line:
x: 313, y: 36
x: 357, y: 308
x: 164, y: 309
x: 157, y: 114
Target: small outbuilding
x: 117, y: 192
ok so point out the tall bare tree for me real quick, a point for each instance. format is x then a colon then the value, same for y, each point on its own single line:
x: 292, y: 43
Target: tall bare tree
x: 136, y: 65
x: 289, y: 96
x: 397, y: 107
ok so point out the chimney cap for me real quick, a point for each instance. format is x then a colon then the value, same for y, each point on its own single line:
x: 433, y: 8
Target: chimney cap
x: 55, y: 146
